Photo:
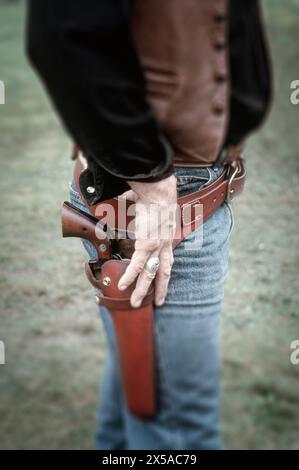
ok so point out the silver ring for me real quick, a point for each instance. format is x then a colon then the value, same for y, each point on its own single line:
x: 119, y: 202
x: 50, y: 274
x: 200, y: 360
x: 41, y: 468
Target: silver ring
x: 152, y: 265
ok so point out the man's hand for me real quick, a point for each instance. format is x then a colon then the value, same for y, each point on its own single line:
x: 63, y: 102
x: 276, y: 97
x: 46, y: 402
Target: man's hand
x: 154, y: 231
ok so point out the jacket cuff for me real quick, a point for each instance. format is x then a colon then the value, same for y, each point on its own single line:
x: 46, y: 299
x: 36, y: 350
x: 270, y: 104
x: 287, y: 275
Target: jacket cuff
x: 138, y: 168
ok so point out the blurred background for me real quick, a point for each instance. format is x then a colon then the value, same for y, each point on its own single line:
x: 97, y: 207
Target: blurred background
x: 55, y: 346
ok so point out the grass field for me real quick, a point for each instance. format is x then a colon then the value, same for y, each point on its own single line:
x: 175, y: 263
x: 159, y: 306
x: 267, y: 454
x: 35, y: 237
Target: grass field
x: 55, y: 345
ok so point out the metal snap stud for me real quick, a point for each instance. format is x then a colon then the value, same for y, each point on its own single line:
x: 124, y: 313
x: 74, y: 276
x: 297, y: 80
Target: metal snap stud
x: 106, y: 281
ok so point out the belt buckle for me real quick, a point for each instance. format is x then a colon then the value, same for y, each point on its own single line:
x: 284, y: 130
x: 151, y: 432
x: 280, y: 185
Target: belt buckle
x: 235, y: 167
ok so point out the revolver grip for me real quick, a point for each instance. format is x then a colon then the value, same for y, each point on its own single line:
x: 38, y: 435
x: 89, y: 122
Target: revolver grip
x: 76, y: 223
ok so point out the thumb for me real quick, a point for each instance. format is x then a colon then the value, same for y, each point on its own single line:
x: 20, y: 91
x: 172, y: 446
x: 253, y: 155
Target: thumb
x: 129, y: 195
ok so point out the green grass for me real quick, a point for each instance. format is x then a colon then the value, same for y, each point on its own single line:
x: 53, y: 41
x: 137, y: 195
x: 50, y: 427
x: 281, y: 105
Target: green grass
x: 55, y: 344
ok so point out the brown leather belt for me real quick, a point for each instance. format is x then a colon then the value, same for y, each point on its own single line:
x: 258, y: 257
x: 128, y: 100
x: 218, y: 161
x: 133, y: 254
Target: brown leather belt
x: 134, y: 327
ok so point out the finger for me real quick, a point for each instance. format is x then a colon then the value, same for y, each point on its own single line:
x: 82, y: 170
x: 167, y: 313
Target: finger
x: 135, y: 267
x: 143, y: 284
x: 143, y: 250
x: 163, y: 274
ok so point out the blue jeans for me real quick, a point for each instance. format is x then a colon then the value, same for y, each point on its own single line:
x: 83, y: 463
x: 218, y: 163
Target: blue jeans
x: 186, y: 341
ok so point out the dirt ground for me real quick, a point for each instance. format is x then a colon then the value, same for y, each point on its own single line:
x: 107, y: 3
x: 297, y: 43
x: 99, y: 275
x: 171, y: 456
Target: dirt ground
x: 55, y: 346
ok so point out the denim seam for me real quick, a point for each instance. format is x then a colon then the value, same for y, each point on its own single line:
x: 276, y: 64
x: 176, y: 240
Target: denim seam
x: 210, y: 176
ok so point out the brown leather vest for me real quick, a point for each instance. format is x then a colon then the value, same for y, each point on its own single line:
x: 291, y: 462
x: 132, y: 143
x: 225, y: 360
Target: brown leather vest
x: 182, y: 46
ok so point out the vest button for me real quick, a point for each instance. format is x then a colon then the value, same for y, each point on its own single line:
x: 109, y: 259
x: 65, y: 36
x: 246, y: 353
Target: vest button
x: 220, y: 77
x: 219, y: 45
x: 218, y: 108
x: 219, y: 16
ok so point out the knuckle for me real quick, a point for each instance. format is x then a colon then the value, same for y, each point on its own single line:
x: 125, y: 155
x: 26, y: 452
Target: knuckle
x: 143, y: 290
x: 139, y: 245
x: 171, y: 260
x: 138, y: 267
x: 152, y: 244
x: 165, y: 272
x: 149, y: 276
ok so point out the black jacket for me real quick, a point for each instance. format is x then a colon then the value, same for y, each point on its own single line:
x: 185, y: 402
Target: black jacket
x: 84, y: 52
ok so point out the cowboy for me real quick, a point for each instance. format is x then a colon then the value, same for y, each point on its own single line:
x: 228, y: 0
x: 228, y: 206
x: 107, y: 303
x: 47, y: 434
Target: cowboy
x: 159, y: 96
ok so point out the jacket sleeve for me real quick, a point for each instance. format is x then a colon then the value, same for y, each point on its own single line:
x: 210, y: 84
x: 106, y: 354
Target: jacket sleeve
x: 85, y: 55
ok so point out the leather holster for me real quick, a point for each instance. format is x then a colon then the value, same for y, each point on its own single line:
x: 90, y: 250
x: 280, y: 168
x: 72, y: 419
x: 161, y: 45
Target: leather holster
x: 134, y: 331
